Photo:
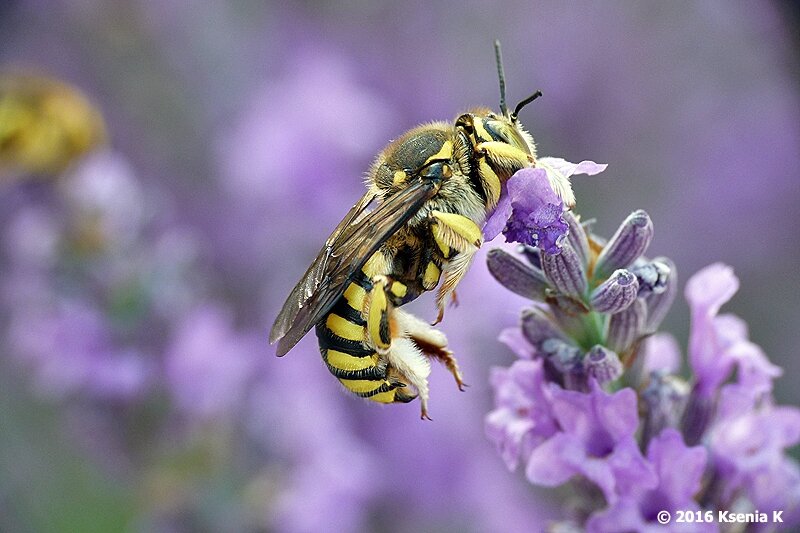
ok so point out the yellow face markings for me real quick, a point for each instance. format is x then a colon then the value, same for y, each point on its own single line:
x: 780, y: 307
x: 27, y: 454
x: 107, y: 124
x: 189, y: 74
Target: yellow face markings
x: 445, y: 152
x: 345, y: 361
x: 344, y: 328
x: 399, y: 177
x: 355, y: 296
x: 480, y: 132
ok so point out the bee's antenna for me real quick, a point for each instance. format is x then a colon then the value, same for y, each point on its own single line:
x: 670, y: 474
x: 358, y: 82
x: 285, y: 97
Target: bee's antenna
x: 525, y: 102
x: 498, y: 56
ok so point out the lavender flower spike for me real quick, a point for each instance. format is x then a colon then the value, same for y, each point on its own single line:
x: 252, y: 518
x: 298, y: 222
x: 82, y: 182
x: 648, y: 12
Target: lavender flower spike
x: 715, y: 442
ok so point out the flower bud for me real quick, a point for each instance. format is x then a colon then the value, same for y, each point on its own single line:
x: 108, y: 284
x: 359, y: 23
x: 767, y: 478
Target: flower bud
x: 602, y: 364
x: 697, y: 416
x: 616, y: 294
x: 659, y: 303
x: 628, y: 243
x: 515, y: 275
x: 652, y: 276
x: 626, y: 326
x: 537, y: 327
x: 565, y: 272
x: 577, y: 237
x: 664, y: 402
x: 563, y: 363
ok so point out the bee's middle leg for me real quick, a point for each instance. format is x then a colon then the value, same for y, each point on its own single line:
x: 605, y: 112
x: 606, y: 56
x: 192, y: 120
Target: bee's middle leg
x: 459, y: 238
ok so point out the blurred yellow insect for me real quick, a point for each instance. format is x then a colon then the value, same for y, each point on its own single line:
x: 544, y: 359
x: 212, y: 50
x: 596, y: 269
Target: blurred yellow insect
x: 45, y: 124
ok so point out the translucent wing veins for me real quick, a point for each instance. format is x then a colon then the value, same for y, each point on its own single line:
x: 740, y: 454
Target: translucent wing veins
x: 352, y: 243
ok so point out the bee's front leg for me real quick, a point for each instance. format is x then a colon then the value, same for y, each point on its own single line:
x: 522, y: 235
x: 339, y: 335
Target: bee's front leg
x: 498, y: 161
x: 459, y: 238
x: 503, y: 158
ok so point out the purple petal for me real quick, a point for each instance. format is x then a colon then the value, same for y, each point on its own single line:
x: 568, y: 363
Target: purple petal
x: 516, y: 341
x: 536, y: 217
x: 498, y: 219
x: 554, y: 462
x: 568, y: 169
x: 522, y: 419
x: 661, y: 353
x: 624, y: 515
x: 710, y: 288
x: 632, y: 472
x: 617, y: 412
x: 676, y: 485
x: 706, y: 292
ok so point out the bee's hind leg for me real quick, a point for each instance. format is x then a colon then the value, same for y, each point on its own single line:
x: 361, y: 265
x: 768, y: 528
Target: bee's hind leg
x: 386, y: 327
x: 430, y: 341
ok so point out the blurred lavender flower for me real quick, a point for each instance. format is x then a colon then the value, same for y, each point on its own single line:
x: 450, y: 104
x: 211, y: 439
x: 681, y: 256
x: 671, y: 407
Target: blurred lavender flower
x: 326, y: 471
x: 70, y: 352
x: 595, y: 307
x: 68, y: 290
x: 209, y: 366
x: 101, y: 298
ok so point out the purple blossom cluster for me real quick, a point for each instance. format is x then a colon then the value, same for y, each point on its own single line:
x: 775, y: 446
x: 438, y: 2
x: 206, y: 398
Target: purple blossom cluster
x: 597, y: 400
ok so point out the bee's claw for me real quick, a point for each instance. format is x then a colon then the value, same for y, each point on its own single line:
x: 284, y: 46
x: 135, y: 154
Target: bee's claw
x: 439, y: 317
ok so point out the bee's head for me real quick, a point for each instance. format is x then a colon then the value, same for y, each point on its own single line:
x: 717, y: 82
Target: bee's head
x: 486, y: 125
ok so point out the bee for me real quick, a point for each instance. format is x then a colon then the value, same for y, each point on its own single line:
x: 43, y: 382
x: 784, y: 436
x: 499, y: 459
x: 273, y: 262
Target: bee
x: 45, y: 124
x: 417, y: 227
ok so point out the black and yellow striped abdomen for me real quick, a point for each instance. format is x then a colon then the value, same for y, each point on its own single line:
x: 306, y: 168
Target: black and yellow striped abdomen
x: 342, y: 342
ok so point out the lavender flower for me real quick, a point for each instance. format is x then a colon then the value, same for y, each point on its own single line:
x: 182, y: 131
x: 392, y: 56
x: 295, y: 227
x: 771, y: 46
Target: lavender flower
x: 594, y: 386
x: 529, y: 212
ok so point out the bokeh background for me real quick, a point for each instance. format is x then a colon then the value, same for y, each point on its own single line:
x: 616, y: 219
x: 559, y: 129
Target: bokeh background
x: 137, y: 388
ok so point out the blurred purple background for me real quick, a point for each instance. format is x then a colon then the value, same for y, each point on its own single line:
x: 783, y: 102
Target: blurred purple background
x: 137, y: 388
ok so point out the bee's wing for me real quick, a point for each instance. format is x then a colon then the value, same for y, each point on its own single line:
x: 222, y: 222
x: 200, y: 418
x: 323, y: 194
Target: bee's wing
x: 351, y: 244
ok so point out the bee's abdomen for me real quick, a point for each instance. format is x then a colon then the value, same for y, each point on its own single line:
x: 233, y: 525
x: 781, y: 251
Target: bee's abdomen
x: 342, y: 336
